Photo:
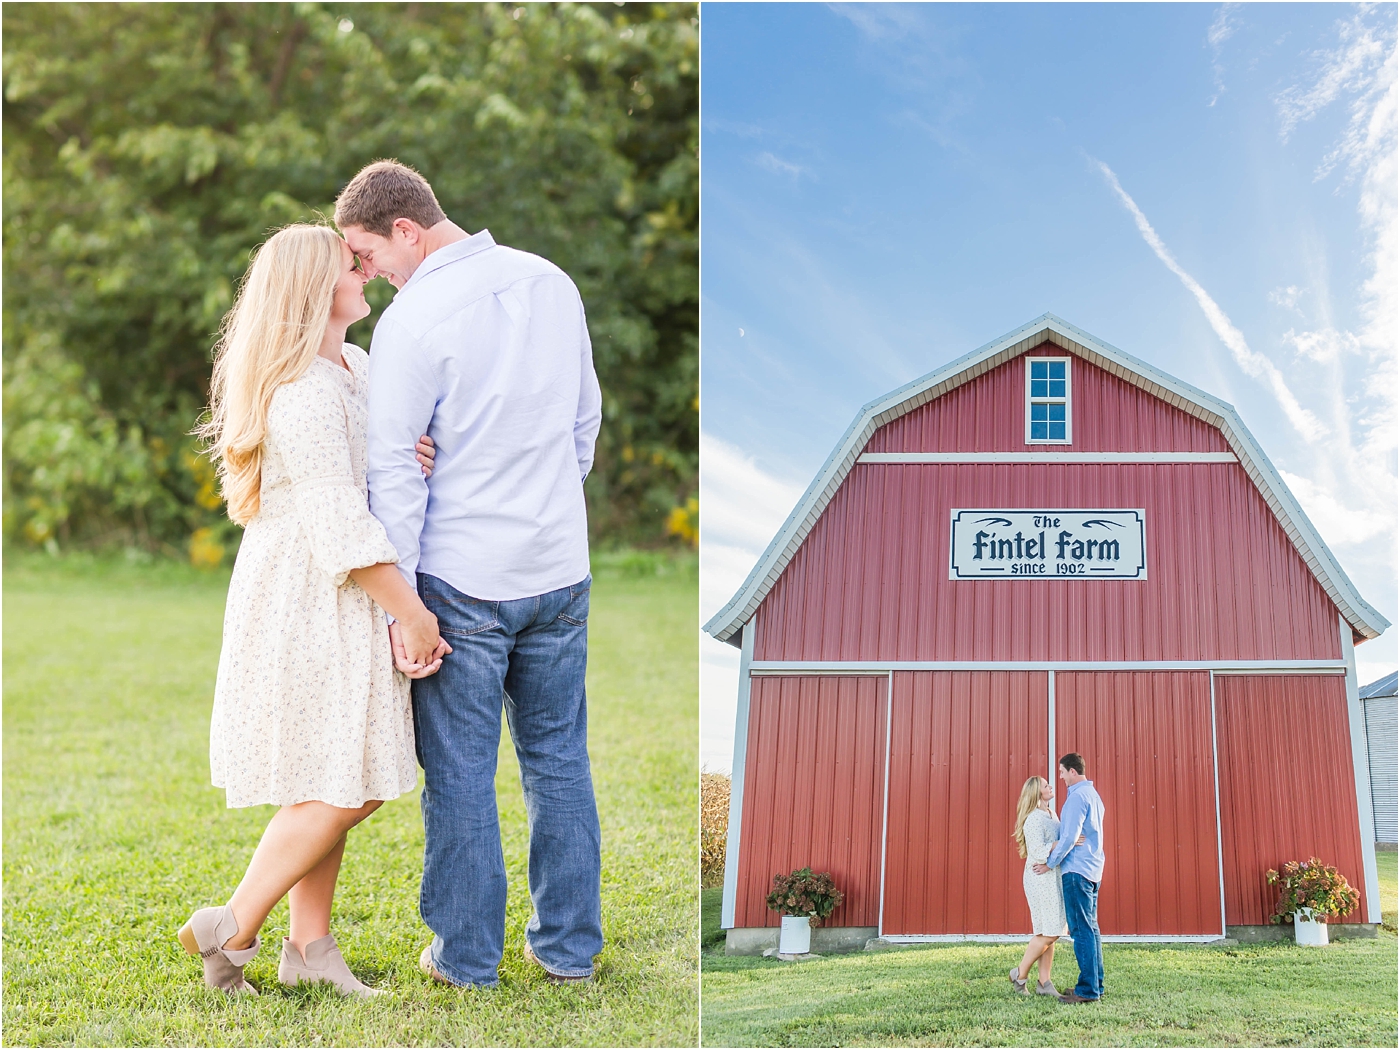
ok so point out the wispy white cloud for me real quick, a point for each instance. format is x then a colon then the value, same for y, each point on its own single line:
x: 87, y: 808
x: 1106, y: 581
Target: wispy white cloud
x: 769, y: 162
x: 1324, y: 345
x: 1287, y: 297
x: 741, y: 129
x: 1250, y: 362
x: 1350, y: 68
x: 1221, y: 29
x: 1338, y: 523
x: 742, y: 506
x: 1352, y: 494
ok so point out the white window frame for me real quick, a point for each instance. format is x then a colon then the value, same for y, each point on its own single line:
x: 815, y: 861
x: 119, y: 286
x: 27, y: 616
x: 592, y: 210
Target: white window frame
x: 1067, y: 401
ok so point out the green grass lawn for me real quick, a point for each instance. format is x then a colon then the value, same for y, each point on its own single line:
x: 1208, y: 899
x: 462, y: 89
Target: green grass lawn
x: 113, y: 835
x: 1157, y: 995
x: 1390, y: 891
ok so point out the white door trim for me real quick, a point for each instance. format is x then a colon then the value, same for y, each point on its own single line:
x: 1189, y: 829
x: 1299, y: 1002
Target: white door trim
x: 885, y: 817
x: 1215, y: 767
x: 1048, y: 458
x: 1361, y: 772
x: 736, y: 778
x: 846, y: 667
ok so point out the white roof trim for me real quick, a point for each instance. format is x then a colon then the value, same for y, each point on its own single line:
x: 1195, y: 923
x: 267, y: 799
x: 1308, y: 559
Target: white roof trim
x: 1365, y: 621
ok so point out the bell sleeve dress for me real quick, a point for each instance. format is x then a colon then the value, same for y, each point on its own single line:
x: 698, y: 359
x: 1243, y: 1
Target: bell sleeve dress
x: 1043, y: 892
x: 308, y: 704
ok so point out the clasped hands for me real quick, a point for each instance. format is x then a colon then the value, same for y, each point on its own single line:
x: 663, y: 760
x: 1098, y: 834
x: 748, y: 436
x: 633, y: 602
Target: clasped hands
x: 1041, y: 869
x: 421, y: 640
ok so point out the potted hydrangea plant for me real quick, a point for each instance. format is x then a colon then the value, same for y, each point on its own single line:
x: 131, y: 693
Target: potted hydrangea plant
x: 804, y: 900
x: 1310, y: 891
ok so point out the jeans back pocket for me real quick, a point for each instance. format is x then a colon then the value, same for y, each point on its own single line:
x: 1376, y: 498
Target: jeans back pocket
x: 576, y: 612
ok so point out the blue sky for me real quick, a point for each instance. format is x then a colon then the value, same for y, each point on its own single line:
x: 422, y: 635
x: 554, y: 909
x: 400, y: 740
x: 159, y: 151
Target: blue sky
x: 885, y: 188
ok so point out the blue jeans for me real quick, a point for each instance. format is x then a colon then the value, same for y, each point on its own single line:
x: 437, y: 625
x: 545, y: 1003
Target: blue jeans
x: 1082, y: 911
x: 528, y: 655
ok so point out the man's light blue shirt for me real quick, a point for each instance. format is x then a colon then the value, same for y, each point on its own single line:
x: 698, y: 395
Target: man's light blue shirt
x: 486, y: 350
x: 1082, y: 815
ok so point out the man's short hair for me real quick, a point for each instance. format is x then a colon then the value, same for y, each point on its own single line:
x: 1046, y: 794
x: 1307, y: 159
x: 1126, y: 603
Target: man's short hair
x: 1075, y: 761
x: 382, y: 192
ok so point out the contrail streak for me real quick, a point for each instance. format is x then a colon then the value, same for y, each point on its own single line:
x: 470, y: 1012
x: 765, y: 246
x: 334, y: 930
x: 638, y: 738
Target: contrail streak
x: 1251, y: 363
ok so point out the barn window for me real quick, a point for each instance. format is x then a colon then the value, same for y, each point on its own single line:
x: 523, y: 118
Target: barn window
x: 1047, y: 401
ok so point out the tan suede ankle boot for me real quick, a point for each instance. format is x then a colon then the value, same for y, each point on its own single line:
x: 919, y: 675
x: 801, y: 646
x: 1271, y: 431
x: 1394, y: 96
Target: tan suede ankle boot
x: 205, y: 935
x: 321, y: 962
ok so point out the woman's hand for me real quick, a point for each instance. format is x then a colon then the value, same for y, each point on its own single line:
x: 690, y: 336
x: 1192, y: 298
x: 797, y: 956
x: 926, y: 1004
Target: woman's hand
x: 421, y: 642
x: 418, y: 628
x: 407, y: 666
x: 1080, y: 841
x: 427, y: 453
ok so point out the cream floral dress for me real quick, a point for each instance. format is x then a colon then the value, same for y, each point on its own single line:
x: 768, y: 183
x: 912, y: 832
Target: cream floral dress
x: 308, y: 704
x: 1043, y: 892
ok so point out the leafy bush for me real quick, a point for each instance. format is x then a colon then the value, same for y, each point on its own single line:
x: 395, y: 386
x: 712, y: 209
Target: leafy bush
x: 714, y: 827
x: 150, y: 147
x: 1311, y: 887
x: 802, y: 893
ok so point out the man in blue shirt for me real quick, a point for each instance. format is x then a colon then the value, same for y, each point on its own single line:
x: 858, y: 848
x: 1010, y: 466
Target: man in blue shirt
x: 486, y: 349
x: 1081, y: 872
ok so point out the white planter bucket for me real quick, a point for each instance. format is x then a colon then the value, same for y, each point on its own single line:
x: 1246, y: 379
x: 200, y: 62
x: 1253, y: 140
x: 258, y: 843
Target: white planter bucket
x: 796, y: 936
x: 1307, y: 930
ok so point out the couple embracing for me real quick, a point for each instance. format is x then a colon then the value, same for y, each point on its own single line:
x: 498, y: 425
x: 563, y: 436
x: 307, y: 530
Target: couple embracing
x: 414, y: 561
x: 1064, y: 867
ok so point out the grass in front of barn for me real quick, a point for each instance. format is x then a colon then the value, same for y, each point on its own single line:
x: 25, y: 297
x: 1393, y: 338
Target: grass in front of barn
x: 113, y: 835
x: 958, y: 995
x: 1390, y: 888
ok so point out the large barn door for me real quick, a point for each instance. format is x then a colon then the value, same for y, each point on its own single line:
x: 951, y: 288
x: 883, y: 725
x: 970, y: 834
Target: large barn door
x: 1287, y: 789
x: 814, y: 785
x: 1147, y: 742
x: 961, y: 745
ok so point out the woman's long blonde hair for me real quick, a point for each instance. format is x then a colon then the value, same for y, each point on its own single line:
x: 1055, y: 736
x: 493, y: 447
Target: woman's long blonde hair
x: 1029, y: 800
x: 270, y: 337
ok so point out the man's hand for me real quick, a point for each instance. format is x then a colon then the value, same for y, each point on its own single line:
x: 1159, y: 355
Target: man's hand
x: 407, y: 666
x: 427, y: 453
x: 1040, y: 869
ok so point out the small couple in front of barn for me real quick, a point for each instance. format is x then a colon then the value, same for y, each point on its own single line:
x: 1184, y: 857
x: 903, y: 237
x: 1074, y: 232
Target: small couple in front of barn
x: 1064, y: 867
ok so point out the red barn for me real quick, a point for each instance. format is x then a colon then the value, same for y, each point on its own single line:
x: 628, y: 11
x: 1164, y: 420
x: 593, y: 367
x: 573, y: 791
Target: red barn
x: 1046, y: 546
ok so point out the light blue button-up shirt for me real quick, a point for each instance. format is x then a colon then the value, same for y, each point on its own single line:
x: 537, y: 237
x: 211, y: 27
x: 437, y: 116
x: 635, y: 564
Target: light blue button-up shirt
x: 1082, y: 815
x: 486, y: 350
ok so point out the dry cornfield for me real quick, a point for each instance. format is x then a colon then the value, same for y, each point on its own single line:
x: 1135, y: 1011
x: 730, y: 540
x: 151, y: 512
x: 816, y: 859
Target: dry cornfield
x: 714, y: 826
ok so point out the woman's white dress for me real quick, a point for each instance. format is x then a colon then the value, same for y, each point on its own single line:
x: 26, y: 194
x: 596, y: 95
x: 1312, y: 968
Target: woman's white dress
x: 308, y: 704
x: 1043, y: 892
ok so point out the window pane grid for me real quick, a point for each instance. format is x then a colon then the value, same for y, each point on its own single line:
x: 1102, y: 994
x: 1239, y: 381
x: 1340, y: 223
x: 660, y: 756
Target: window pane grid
x: 1048, y: 400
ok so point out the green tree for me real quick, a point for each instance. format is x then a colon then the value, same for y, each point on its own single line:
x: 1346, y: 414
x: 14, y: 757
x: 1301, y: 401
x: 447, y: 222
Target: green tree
x: 150, y: 147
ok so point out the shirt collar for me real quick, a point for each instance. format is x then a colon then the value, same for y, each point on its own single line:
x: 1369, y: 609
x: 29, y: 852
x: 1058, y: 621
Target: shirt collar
x: 477, y: 242
x: 1082, y: 783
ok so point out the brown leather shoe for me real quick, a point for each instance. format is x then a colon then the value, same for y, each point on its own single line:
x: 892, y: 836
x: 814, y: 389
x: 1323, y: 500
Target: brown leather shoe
x: 556, y: 978
x: 425, y: 963
x: 1070, y: 997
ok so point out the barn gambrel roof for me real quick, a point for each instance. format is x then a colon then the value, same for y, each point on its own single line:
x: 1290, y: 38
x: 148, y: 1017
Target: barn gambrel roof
x: 1365, y: 621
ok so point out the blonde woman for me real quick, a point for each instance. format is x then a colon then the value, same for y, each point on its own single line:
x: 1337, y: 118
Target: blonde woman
x: 309, y: 712
x: 1035, y: 833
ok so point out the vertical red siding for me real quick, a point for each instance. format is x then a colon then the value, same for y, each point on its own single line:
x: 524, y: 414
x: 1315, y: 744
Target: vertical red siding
x: 961, y: 746
x: 989, y: 415
x: 813, y: 791
x: 1287, y: 789
x: 1146, y: 742
x: 870, y: 582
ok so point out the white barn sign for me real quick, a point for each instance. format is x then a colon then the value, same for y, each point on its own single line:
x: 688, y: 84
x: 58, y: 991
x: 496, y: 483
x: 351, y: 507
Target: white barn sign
x: 1048, y: 545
